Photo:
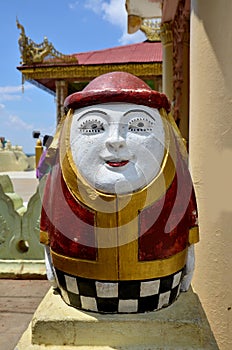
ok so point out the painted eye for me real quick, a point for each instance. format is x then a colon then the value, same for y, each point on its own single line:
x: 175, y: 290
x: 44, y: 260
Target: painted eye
x: 93, y: 126
x: 140, y: 125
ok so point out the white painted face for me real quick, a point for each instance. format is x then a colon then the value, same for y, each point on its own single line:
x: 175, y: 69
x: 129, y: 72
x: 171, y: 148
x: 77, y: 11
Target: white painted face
x: 117, y: 147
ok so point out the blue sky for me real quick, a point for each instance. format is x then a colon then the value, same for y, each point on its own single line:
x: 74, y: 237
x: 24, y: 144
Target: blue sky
x: 72, y: 26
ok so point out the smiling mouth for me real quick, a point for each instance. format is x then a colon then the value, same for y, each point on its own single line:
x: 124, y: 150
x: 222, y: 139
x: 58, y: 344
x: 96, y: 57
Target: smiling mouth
x: 117, y: 164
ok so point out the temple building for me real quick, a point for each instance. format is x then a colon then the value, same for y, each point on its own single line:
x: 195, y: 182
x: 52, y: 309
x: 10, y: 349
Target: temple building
x: 61, y: 75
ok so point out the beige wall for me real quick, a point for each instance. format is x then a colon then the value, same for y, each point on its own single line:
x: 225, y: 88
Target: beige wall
x: 211, y: 159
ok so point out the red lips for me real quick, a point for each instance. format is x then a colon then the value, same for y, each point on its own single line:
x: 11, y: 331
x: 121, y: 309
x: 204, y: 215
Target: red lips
x: 118, y: 164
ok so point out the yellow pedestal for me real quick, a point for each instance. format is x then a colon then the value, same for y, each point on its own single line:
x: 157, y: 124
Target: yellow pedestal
x: 56, y: 326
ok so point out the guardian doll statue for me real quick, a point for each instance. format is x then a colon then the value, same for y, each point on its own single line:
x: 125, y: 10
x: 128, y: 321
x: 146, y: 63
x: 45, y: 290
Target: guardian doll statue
x: 119, y: 215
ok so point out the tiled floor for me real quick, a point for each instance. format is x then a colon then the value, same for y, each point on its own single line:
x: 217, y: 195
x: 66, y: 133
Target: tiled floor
x: 18, y: 301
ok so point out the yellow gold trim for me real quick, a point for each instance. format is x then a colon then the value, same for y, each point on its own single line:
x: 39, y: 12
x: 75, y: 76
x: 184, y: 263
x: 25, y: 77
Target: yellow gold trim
x: 137, y: 271
x: 179, y: 137
x: 194, y: 235
x: 85, y: 72
x: 134, y: 270
x: 38, y: 152
x: 85, y: 268
x: 44, y: 237
x: 107, y: 243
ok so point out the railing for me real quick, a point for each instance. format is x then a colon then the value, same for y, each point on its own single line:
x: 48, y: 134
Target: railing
x: 21, y: 254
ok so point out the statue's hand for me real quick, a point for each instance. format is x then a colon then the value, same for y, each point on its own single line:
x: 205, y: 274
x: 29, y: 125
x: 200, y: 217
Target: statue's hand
x: 49, y: 267
x: 189, y: 269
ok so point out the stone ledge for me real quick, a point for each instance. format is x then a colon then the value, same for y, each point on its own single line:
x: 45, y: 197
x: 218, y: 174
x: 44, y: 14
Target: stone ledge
x: 23, y: 269
x: 181, y: 326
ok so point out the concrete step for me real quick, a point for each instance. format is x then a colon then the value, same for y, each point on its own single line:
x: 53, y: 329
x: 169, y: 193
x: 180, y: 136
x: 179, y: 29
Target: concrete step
x: 181, y: 326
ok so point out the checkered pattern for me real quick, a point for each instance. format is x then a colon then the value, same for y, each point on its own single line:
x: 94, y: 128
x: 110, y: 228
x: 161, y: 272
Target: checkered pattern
x: 120, y: 296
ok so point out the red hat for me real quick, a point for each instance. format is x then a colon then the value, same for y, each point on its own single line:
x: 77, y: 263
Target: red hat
x: 117, y: 87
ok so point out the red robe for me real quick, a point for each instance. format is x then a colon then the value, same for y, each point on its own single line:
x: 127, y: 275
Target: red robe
x: 163, y: 226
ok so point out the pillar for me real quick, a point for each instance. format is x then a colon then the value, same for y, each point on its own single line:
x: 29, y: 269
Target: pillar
x: 167, y: 41
x: 176, y: 61
x: 61, y: 94
x: 184, y: 107
x: 211, y: 159
x: 180, y: 28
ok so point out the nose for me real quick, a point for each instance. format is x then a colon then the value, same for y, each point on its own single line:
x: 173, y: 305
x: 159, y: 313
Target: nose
x: 115, y: 141
x: 115, y: 144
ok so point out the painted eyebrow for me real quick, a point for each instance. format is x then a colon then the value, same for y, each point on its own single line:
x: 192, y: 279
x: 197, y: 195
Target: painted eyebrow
x: 138, y: 110
x: 90, y: 112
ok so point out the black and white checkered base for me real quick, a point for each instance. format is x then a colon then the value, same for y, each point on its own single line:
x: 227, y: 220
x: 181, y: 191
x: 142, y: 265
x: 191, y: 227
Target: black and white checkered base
x: 119, y: 296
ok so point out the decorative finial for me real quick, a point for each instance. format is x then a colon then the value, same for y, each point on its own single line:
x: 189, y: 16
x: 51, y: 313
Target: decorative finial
x: 39, y: 53
x: 151, y: 28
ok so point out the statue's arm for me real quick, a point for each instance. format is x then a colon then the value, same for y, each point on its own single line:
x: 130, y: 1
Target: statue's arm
x: 49, y: 266
x: 189, y: 269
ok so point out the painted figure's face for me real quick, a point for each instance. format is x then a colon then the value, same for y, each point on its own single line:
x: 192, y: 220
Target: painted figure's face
x: 117, y: 147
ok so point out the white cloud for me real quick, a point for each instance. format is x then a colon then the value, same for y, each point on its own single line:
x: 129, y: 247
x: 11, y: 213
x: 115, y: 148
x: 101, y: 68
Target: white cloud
x: 131, y: 38
x: 9, y: 97
x: 13, y: 93
x: 9, y: 89
x: 114, y: 12
x: 16, y: 130
x: 17, y: 123
x: 94, y: 5
x: 2, y: 106
x: 73, y: 5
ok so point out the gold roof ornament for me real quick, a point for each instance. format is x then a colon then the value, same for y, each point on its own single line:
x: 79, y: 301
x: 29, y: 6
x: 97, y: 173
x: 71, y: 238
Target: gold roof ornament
x: 39, y: 53
x: 151, y: 28
x: 138, y: 11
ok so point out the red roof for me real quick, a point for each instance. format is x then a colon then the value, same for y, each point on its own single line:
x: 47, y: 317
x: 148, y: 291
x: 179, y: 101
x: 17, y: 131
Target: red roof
x: 134, y: 53
x: 140, y: 53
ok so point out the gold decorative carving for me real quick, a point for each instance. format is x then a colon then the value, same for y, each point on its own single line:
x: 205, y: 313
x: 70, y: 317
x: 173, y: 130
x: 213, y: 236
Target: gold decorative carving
x: 181, y: 30
x: 39, y: 53
x: 90, y: 72
x: 151, y: 28
x: 134, y: 23
x: 166, y: 34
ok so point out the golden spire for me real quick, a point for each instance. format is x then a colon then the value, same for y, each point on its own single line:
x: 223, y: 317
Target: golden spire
x: 39, y: 53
